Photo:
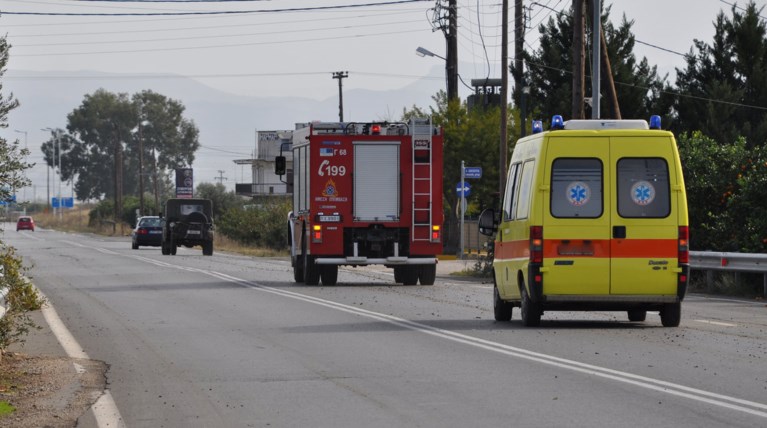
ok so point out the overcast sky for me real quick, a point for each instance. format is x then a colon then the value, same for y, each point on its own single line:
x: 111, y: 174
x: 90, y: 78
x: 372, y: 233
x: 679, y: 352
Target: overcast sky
x: 291, y: 47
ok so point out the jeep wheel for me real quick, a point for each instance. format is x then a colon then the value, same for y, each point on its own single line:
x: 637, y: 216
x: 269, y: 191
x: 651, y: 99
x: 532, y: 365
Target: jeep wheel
x: 207, y: 248
x: 671, y: 314
x: 501, y: 309
x: 636, y: 315
x: 530, y: 311
x: 427, y: 274
x: 329, y: 274
x: 311, y: 271
x: 164, y: 248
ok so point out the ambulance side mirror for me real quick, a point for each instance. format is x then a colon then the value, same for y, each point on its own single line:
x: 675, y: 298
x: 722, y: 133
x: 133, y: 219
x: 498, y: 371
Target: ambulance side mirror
x: 487, y: 224
x: 280, y: 165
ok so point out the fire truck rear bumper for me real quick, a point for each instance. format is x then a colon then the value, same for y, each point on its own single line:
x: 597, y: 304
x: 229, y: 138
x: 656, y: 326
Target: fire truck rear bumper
x: 393, y: 261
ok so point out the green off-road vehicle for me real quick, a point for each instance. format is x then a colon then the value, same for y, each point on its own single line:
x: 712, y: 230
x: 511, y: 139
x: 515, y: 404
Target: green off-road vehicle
x: 188, y: 222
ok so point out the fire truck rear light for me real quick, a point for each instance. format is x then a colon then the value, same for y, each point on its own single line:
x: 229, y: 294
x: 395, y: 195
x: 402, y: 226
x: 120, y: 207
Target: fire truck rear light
x: 317, y: 233
x: 435, y: 234
x: 375, y: 130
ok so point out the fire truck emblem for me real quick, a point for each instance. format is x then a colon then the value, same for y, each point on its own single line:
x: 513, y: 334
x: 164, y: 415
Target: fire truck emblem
x: 329, y: 190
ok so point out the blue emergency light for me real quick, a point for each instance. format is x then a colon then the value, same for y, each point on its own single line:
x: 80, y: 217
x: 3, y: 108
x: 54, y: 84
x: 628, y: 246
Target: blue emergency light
x: 537, y: 126
x: 655, y: 122
x: 557, y: 122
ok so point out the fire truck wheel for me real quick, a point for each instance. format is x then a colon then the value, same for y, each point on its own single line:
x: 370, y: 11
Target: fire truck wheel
x: 329, y: 274
x: 427, y: 274
x: 311, y: 271
x: 298, y: 269
x: 410, y: 275
x: 398, y: 274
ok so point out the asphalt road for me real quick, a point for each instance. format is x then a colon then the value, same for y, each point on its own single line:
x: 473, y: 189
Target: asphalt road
x: 231, y: 341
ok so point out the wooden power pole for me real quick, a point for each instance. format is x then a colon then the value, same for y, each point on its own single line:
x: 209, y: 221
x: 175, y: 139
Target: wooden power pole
x: 579, y: 59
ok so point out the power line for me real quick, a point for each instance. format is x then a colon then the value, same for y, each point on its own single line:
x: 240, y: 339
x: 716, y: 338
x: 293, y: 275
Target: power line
x: 221, y: 12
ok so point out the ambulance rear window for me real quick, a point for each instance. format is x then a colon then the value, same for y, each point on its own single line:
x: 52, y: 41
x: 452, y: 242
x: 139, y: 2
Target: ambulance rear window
x: 576, y: 188
x: 643, y: 188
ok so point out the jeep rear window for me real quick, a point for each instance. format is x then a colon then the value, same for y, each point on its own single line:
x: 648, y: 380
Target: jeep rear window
x: 576, y: 188
x: 643, y: 188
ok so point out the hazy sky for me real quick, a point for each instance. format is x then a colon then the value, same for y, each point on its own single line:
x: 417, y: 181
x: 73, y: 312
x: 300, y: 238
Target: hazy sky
x: 283, y: 48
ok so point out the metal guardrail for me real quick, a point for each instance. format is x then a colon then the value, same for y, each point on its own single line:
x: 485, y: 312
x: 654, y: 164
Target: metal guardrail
x: 730, y: 262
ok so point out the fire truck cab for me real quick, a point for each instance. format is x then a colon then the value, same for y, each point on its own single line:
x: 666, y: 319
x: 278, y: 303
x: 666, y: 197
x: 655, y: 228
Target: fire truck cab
x: 366, y: 193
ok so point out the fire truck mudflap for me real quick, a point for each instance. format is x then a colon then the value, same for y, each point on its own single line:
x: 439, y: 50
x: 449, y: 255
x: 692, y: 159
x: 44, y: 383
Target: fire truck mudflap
x: 363, y: 194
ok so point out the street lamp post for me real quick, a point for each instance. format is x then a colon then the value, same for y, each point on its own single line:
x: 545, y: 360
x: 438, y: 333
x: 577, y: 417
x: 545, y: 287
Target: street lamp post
x: 53, y: 165
x: 423, y: 52
x: 23, y: 189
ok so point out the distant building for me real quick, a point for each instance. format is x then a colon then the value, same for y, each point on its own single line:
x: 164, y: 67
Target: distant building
x: 263, y: 179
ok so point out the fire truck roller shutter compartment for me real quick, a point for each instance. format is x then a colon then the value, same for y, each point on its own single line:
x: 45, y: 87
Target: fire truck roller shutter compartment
x: 377, y: 181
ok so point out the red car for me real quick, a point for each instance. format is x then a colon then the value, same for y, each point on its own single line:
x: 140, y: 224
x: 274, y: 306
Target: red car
x: 25, y: 223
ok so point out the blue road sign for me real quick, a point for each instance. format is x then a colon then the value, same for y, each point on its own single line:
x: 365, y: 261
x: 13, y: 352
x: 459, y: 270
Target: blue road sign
x: 463, y: 190
x: 472, y: 172
x: 68, y: 202
x: 54, y: 202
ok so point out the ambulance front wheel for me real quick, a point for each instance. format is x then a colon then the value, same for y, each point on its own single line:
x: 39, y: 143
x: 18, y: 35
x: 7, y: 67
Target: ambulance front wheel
x: 671, y: 314
x: 636, y: 315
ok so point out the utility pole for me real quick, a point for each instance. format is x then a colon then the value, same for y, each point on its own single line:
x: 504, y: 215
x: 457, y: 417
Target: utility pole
x: 452, y: 51
x: 595, y: 54
x: 504, y: 147
x: 340, y: 75
x: 579, y: 59
x: 221, y: 177
x: 140, y: 168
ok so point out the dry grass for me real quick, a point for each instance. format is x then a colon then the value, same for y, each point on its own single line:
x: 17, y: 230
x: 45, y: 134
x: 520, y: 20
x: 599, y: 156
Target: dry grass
x: 76, y: 220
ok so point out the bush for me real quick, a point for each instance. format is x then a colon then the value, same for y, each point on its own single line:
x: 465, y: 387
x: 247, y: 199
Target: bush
x: 263, y: 226
x: 20, y: 298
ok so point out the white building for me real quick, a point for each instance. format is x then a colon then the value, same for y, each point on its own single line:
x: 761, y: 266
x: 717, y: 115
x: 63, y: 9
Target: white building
x: 269, y: 145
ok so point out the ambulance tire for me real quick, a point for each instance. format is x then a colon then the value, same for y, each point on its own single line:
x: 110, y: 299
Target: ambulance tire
x: 298, y: 269
x: 410, y: 275
x: 329, y: 274
x: 636, y: 315
x: 427, y: 274
x: 398, y: 274
x: 529, y: 310
x: 311, y: 271
x: 671, y: 314
x: 501, y: 308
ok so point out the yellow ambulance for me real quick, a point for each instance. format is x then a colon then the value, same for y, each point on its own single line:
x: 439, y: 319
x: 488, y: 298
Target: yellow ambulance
x: 594, y: 217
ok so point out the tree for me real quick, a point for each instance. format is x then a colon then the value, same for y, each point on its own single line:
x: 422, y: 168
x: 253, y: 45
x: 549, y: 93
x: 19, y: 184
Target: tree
x: 724, y: 82
x: 223, y: 201
x: 637, y: 84
x: 115, y: 136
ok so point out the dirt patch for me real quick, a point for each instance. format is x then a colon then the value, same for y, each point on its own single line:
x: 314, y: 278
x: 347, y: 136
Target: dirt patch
x: 48, y: 391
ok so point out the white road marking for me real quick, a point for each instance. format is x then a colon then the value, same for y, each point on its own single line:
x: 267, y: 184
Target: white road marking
x: 105, y: 409
x: 723, y: 324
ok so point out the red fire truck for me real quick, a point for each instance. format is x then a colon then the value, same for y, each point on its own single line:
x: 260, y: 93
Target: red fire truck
x: 366, y: 193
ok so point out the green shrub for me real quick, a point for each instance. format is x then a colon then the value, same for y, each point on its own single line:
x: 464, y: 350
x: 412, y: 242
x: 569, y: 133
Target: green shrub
x: 263, y: 225
x: 20, y: 298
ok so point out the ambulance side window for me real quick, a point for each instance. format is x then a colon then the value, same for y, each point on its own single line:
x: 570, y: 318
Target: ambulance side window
x: 576, y: 188
x: 643, y: 188
x: 511, y: 187
x: 522, y: 208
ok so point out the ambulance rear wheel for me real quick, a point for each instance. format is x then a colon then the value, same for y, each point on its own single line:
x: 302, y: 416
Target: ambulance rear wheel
x: 671, y: 314
x: 298, y: 269
x: 410, y: 275
x: 636, y: 315
x: 427, y: 274
x: 530, y: 311
x: 501, y: 308
x: 311, y: 271
x: 329, y: 274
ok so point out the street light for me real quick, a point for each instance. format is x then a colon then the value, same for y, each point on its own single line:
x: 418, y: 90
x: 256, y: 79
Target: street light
x: 58, y: 149
x: 422, y: 52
